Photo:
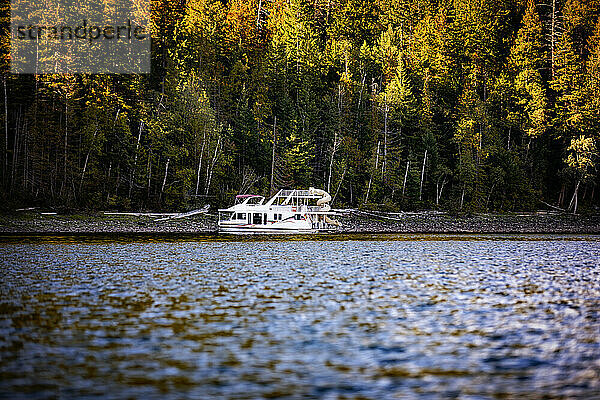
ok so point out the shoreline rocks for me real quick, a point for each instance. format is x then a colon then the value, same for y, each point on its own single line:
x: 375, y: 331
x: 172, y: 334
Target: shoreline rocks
x: 32, y: 223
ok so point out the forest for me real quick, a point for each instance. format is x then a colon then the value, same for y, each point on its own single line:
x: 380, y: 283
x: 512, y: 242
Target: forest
x: 458, y: 105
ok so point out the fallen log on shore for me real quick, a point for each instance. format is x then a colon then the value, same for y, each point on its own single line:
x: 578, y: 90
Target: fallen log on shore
x: 202, y: 210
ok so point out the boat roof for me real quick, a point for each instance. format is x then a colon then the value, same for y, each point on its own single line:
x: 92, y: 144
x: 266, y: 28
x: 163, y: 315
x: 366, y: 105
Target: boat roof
x: 286, y: 194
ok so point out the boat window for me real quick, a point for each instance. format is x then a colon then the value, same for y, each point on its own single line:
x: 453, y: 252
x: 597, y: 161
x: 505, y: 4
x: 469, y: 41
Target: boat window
x: 226, y: 215
x: 241, y: 216
x: 297, y: 217
x: 265, y: 218
x: 257, y: 218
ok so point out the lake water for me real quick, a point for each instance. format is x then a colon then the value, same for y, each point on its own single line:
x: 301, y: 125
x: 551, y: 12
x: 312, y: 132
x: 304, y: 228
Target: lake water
x: 352, y: 317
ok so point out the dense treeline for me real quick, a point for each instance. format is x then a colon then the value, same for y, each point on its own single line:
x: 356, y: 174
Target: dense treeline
x: 458, y: 104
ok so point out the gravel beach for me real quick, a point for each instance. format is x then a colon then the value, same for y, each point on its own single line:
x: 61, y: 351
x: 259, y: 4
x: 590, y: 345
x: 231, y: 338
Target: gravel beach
x: 29, y: 222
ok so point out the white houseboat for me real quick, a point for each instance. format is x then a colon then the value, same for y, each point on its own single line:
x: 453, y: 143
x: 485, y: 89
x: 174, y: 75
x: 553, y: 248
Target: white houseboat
x: 289, y: 211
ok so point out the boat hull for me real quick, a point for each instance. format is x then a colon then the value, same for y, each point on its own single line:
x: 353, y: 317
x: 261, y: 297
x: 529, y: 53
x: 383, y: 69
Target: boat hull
x: 260, y: 230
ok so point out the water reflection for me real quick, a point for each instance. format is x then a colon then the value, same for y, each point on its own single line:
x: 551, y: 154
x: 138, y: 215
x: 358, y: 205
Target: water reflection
x: 234, y: 317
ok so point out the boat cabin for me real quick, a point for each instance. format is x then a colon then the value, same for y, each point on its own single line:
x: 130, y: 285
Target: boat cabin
x: 293, y: 211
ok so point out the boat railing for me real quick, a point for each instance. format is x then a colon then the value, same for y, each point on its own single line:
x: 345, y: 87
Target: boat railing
x: 295, y: 193
x: 302, y: 208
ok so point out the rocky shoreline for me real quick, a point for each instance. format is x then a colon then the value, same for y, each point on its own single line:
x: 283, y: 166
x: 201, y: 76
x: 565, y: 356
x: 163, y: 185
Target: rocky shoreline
x: 353, y: 221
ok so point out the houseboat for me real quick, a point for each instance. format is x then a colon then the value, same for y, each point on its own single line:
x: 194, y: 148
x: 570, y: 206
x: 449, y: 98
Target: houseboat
x: 289, y: 211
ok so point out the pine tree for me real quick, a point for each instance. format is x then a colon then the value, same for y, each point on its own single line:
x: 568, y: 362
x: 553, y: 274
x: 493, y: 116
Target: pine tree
x: 592, y: 84
x: 525, y: 65
x: 568, y: 84
x: 472, y: 126
x: 581, y: 160
x: 572, y: 87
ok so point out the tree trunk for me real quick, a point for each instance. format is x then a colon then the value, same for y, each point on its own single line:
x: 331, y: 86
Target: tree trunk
x: 258, y: 14
x: 200, y: 161
x: 405, y: 177
x: 489, y: 196
x: 561, y: 196
x: 360, y: 96
x: 335, y: 146
x: 368, y: 190
x: 87, y: 157
x: 371, y: 177
x: 340, y: 106
x: 273, y: 156
x: 362, y: 85
x: 340, y: 183
x: 385, y: 137
x: 553, y: 38
x: 5, y: 129
x: 439, y: 189
x: 149, y: 168
x: 106, y: 187
x: 135, y: 158
x: 351, y: 197
x: 64, y: 182
x: 573, y: 203
x: 13, y: 165
x: 118, y: 181
x: 108, y: 180
x: 479, y: 147
x: 25, y: 155
x: 422, y: 176
x: 162, y: 188
x: 212, y: 166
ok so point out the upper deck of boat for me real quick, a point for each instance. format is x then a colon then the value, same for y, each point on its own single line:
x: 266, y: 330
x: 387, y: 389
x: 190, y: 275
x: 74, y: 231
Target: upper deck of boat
x: 284, y: 198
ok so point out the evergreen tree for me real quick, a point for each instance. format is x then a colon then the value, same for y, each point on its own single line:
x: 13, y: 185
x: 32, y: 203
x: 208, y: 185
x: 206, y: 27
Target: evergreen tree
x: 526, y: 61
x: 456, y: 103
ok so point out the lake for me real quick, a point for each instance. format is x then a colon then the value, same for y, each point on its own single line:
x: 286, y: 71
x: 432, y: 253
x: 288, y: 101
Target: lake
x: 341, y: 316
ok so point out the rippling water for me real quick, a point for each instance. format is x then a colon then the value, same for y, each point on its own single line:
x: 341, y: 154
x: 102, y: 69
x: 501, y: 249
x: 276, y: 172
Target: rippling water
x: 366, y: 317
